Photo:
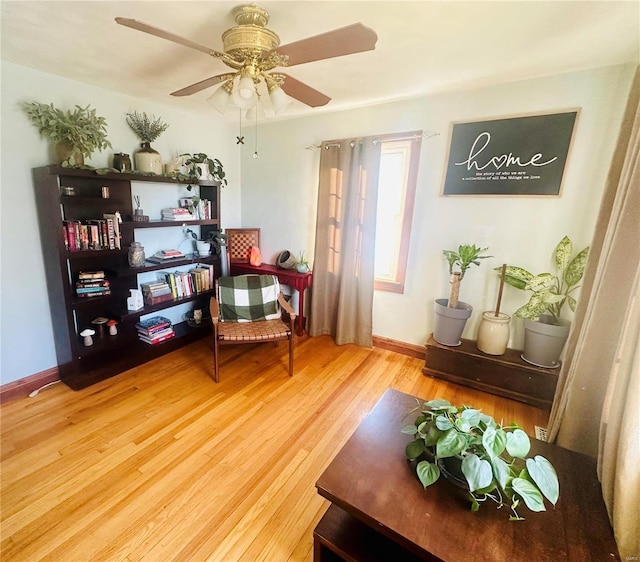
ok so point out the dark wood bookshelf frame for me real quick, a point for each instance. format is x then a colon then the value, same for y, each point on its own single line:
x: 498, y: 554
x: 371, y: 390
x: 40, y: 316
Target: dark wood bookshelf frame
x: 81, y: 366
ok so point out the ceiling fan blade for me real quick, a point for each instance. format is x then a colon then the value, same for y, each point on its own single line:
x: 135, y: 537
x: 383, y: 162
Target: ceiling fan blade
x: 198, y: 86
x: 355, y: 38
x: 135, y: 24
x: 302, y: 92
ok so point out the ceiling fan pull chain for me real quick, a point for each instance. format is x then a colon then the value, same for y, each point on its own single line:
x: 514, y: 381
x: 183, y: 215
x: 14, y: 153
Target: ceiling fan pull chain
x: 255, y: 146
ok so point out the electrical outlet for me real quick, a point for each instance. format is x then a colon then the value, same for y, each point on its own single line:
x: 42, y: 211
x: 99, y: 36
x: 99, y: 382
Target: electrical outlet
x: 541, y: 433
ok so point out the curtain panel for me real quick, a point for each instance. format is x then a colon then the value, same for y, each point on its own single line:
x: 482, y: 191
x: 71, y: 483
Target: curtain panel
x: 343, y: 273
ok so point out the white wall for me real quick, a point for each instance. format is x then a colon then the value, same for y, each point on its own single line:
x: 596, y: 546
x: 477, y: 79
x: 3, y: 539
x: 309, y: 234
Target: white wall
x: 279, y: 190
x: 26, y: 333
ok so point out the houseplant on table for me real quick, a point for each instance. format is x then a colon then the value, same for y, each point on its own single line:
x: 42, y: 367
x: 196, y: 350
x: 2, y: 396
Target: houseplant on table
x: 147, y: 129
x: 545, y: 331
x: 76, y: 134
x: 452, y: 314
x: 476, y: 453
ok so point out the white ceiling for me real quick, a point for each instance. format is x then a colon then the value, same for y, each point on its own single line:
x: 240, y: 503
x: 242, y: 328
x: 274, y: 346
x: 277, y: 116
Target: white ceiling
x: 423, y: 47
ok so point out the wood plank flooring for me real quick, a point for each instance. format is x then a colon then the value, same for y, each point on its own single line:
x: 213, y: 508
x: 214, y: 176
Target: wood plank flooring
x: 160, y: 463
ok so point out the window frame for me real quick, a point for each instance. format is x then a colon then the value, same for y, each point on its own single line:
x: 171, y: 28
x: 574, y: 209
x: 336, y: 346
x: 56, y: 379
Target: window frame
x: 397, y: 285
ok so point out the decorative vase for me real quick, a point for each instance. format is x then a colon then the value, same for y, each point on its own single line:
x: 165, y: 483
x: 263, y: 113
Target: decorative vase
x: 302, y: 267
x: 148, y: 160
x: 493, y: 333
x: 136, y: 255
x: 544, y: 341
x: 69, y: 154
x: 450, y: 322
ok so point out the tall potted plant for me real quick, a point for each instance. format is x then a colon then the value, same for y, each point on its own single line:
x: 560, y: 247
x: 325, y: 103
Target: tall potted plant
x: 76, y: 134
x: 545, y: 331
x: 452, y: 314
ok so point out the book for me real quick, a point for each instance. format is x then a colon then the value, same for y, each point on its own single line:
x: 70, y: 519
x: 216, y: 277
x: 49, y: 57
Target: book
x: 153, y: 324
x: 114, y: 219
x: 158, y: 340
x: 91, y: 275
x: 157, y: 334
x: 95, y: 294
x: 150, y: 299
x: 92, y: 283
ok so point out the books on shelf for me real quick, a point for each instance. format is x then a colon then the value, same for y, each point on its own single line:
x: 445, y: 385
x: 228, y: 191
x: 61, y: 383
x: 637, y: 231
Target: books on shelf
x: 166, y: 256
x: 92, y: 284
x: 197, y: 280
x: 155, y: 293
x: 94, y: 234
x: 155, y: 330
x: 177, y: 214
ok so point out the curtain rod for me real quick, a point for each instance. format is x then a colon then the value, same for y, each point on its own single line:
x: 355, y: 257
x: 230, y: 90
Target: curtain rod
x: 425, y: 136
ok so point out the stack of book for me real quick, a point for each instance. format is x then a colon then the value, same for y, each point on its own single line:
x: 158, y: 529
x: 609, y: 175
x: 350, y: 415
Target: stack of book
x: 177, y: 214
x: 92, y: 284
x: 155, y: 330
x: 164, y: 256
x: 155, y: 293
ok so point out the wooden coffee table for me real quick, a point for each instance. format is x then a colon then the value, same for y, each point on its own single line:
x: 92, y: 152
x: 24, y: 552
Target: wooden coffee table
x: 380, y: 511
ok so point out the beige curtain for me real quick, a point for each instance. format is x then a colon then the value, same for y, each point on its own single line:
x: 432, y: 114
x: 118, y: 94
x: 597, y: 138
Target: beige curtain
x: 343, y: 264
x: 597, y: 404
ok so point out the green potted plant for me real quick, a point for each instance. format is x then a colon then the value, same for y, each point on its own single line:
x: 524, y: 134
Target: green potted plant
x: 545, y: 330
x: 475, y: 452
x: 76, y: 134
x: 201, y: 167
x: 147, y: 129
x: 212, y: 239
x: 452, y: 314
x: 302, y: 265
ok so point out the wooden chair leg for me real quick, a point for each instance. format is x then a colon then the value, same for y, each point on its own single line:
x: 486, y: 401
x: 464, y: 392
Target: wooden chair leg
x: 291, y: 354
x: 216, y: 351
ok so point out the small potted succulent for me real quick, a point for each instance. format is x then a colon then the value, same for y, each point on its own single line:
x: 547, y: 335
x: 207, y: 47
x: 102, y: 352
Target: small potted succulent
x: 76, y: 134
x: 147, y: 129
x: 302, y: 265
x: 452, y: 314
x: 476, y: 453
x: 545, y: 331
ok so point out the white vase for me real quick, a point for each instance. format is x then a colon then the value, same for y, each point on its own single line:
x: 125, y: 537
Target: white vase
x: 148, y: 160
x: 493, y: 333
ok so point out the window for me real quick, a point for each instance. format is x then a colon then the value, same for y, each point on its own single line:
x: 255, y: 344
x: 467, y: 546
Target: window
x: 396, y: 193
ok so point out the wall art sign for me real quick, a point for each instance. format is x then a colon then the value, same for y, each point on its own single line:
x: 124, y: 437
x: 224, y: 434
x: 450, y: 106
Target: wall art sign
x: 523, y: 155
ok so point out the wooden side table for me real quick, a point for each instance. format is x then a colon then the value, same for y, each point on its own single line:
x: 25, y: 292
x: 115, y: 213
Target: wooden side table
x: 381, y: 512
x: 289, y: 277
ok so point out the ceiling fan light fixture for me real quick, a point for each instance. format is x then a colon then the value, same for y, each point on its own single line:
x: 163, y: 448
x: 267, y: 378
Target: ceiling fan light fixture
x: 255, y: 112
x: 219, y: 100
x: 246, y: 87
x: 239, y: 100
x: 279, y: 100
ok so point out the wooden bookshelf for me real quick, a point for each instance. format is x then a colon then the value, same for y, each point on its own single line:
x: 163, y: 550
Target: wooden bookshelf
x: 81, y: 366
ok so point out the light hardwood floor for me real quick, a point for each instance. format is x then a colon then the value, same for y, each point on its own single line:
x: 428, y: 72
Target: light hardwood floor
x: 160, y: 463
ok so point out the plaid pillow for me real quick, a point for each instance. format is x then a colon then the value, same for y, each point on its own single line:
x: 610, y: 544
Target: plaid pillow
x: 248, y: 298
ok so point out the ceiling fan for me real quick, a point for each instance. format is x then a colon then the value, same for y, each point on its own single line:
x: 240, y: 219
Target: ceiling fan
x: 253, y: 51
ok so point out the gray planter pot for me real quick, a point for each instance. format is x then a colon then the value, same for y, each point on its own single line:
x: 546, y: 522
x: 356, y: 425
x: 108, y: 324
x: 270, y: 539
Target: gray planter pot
x: 450, y: 322
x: 543, y: 341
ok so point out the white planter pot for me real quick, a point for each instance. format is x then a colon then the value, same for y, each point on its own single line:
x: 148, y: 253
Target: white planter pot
x: 544, y: 341
x: 203, y: 248
x: 450, y: 322
x: 493, y: 333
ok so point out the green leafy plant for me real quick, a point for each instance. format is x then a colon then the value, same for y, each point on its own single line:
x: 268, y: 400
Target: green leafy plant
x: 302, y: 260
x: 459, y: 262
x: 82, y: 129
x: 550, y: 292
x: 214, y: 237
x: 492, y: 458
x: 198, y: 163
x: 146, y: 128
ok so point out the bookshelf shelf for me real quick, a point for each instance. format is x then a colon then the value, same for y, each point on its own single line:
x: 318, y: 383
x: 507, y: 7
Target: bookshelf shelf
x: 93, y: 197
